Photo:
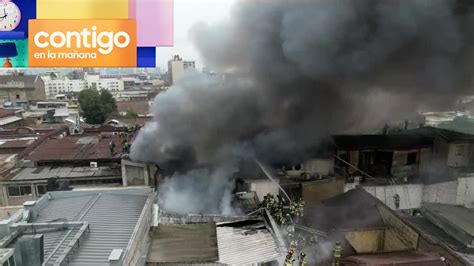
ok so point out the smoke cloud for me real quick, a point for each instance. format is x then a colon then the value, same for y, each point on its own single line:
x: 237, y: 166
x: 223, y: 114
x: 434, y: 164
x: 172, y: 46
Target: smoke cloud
x: 297, y: 71
x: 206, y: 190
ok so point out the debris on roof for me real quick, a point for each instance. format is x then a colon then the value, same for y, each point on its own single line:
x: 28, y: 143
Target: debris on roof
x: 183, y: 243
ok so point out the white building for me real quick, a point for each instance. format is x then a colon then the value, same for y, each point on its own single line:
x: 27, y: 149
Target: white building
x: 176, y: 66
x: 97, y: 82
x: 110, y: 84
x: 55, y: 85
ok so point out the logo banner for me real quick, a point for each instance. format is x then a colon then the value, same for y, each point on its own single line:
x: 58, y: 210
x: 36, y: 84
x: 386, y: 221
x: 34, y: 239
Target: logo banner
x: 82, y: 43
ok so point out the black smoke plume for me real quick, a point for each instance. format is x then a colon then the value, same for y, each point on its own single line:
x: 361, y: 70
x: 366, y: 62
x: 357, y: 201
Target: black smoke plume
x: 297, y: 71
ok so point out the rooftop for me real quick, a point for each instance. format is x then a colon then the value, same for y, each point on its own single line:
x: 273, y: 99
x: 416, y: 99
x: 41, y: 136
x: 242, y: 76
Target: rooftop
x: 445, y: 134
x: 459, y: 216
x: 229, y: 243
x: 139, y: 107
x: 77, y: 148
x: 355, y: 209
x: 132, y: 121
x: 111, y: 216
x: 183, y: 243
x: 46, y: 172
x: 395, y: 258
x: 28, y: 80
x: 8, y: 120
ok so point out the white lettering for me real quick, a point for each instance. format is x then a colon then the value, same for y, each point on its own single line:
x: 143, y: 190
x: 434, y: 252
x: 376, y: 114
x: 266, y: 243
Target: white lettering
x: 106, y: 41
x: 53, y: 37
x: 37, y: 39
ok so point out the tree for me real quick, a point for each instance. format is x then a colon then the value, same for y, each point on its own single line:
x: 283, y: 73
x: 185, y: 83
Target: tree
x: 96, y: 106
x: 108, y: 101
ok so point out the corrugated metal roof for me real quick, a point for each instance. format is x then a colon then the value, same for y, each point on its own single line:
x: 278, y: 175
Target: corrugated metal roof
x: 246, y: 247
x: 40, y: 173
x: 112, y: 217
x: 183, y: 243
x: 70, y: 148
x: 8, y: 120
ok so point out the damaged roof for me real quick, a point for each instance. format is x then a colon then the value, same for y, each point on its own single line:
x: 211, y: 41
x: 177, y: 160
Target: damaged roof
x: 183, y: 243
x: 229, y: 243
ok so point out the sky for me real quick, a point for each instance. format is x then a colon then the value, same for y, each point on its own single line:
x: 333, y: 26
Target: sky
x: 186, y: 14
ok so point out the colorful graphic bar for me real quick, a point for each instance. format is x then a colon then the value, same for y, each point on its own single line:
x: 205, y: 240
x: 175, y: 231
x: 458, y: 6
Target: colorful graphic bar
x: 154, y: 22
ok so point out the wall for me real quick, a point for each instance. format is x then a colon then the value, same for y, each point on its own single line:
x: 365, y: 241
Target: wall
x: 263, y: 187
x: 410, y: 195
x: 465, y: 191
x: 398, y: 236
x: 137, y: 174
x: 458, y: 160
x: 319, y: 166
x: 366, y: 241
x: 7, y: 212
x: 441, y: 193
x: 315, y: 192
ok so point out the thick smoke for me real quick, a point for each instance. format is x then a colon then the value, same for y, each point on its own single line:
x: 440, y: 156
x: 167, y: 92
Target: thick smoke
x: 297, y: 71
x: 184, y: 193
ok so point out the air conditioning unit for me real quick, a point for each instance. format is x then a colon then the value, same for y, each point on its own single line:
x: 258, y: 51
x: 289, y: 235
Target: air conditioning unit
x: 94, y: 165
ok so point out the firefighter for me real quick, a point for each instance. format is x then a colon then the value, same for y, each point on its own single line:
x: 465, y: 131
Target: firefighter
x: 125, y: 147
x: 289, y: 261
x: 302, y: 259
x: 337, y: 254
x: 396, y: 201
x: 112, y: 147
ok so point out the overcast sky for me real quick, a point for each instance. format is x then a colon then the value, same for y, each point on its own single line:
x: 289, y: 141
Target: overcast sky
x: 186, y: 14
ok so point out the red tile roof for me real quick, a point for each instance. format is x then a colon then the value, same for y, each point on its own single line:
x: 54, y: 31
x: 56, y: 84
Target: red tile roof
x: 77, y: 148
x: 6, y: 113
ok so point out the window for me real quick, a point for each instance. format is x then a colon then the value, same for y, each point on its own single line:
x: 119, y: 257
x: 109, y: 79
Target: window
x: 18, y: 96
x: 41, y: 189
x: 16, y: 191
x: 459, y: 150
x: 412, y: 158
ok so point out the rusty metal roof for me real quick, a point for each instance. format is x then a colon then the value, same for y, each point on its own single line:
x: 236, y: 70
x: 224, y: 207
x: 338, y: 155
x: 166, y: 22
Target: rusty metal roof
x: 76, y: 148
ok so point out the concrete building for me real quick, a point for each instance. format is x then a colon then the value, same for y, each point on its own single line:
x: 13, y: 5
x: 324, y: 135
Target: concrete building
x: 176, y: 66
x: 110, y: 84
x: 55, y: 86
x: 17, y: 90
